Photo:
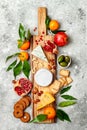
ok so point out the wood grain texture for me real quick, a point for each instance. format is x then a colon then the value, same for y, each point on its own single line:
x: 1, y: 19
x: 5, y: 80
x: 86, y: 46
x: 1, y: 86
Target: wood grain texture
x: 37, y: 63
x: 41, y: 20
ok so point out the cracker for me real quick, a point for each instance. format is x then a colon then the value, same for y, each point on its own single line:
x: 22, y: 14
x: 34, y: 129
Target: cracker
x: 69, y: 80
x: 64, y: 73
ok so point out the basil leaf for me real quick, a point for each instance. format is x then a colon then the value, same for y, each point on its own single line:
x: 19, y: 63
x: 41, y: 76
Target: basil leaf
x: 11, y: 56
x: 67, y: 103
x: 39, y: 118
x: 26, y: 68
x: 65, y: 89
x: 11, y: 66
x: 56, y: 31
x: 17, y: 69
x: 62, y: 115
x: 47, y: 21
x: 22, y: 32
x: 28, y: 35
x: 68, y: 97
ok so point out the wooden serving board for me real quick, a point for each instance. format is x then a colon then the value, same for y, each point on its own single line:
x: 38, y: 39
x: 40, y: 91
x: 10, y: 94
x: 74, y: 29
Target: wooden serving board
x: 37, y: 63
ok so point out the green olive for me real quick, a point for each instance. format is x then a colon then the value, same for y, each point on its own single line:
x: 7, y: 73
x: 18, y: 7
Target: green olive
x: 63, y: 64
x: 67, y: 59
x: 61, y: 58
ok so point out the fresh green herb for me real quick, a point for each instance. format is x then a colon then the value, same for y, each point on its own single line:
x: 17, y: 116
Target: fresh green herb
x: 26, y: 68
x: 24, y: 35
x: 65, y: 89
x: 39, y: 118
x: 62, y: 115
x: 22, y: 32
x: 20, y: 43
x: 11, y: 56
x: 47, y: 21
x: 12, y: 65
x: 56, y: 31
x: 17, y: 69
x: 28, y: 35
x: 67, y: 103
x: 68, y: 97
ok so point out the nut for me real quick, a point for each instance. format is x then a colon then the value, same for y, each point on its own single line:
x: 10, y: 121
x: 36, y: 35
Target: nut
x: 40, y: 93
x: 34, y: 59
x: 49, y: 67
x: 36, y: 101
x: 35, y: 90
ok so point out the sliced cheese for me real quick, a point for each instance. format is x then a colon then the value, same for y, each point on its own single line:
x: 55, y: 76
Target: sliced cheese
x: 45, y: 99
x: 38, y: 52
x: 43, y: 77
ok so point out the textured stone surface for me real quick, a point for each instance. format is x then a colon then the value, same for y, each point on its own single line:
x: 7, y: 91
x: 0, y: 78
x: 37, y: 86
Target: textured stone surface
x: 72, y: 16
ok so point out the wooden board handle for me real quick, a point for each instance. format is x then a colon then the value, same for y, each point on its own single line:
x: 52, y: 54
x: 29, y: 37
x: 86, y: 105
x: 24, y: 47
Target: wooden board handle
x: 41, y: 20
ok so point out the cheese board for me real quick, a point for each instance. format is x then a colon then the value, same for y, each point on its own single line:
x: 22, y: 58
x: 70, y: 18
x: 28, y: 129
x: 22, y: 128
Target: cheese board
x: 38, y: 63
x: 42, y: 61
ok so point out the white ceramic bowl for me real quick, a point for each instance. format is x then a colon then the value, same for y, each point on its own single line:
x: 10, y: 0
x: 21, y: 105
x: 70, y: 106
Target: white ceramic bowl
x: 68, y: 63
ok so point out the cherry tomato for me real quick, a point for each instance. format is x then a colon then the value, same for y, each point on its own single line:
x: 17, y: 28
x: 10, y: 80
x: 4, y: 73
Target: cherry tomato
x: 61, y: 39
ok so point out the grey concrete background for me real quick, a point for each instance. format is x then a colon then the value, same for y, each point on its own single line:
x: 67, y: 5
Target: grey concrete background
x: 72, y: 16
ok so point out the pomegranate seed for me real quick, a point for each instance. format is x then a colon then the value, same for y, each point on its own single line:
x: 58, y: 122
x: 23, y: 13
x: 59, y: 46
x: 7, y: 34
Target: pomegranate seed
x: 35, y: 40
x: 17, y: 88
x: 40, y: 38
x: 51, y: 45
x: 43, y: 32
x: 54, y: 67
x: 35, y: 29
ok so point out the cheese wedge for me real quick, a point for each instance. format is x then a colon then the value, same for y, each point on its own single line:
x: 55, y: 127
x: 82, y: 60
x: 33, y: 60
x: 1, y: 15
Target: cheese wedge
x: 45, y: 100
x: 38, y: 52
